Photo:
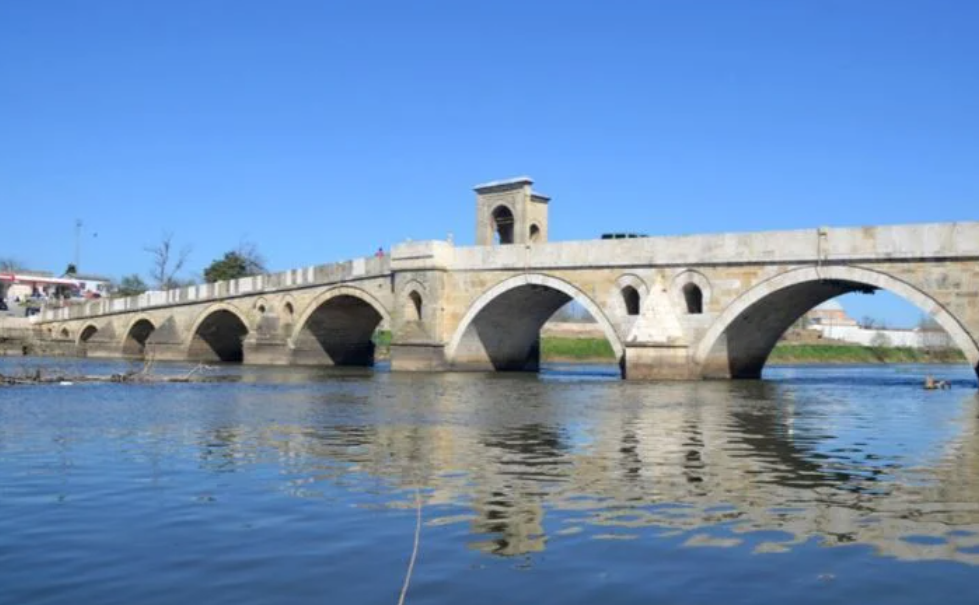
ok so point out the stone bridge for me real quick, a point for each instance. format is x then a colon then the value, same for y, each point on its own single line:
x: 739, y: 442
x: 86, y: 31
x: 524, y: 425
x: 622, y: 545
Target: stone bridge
x: 688, y: 307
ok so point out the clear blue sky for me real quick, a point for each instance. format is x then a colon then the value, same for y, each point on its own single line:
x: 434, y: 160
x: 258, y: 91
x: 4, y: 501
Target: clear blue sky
x: 321, y: 130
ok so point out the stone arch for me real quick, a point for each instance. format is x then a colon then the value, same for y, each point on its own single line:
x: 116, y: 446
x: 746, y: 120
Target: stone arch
x: 534, y: 233
x: 414, y: 306
x: 738, y: 342
x: 693, y: 299
x: 86, y: 333
x: 218, y: 334
x: 501, y: 328
x: 413, y: 295
x: 261, y: 305
x: 65, y: 333
x: 337, y: 328
x: 502, y: 221
x: 287, y: 310
x: 138, y: 332
x: 630, y: 294
x: 688, y: 285
x: 630, y: 298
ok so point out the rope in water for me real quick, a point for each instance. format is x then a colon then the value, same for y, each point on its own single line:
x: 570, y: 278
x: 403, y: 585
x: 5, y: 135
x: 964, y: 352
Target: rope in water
x: 414, y: 550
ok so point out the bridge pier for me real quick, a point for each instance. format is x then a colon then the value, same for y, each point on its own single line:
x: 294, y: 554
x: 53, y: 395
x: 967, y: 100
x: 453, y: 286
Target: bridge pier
x: 418, y: 357
x: 658, y: 361
x: 266, y: 351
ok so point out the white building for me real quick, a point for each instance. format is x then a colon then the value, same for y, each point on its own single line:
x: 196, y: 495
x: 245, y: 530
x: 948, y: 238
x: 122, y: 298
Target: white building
x: 832, y: 322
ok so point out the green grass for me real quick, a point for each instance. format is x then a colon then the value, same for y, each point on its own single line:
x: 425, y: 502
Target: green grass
x: 599, y: 349
x: 841, y: 353
x: 382, y: 339
x: 577, y: 348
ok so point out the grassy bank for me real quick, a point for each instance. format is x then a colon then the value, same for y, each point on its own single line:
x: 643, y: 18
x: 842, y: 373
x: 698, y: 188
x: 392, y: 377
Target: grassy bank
x: 599, y: 350
x: 576, y: 349
x: 595, y: 349
x: 785, y: 353
x: 552, y: 349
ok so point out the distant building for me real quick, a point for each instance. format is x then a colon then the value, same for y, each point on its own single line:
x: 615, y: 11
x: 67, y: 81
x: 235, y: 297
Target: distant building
x: 33, y: 284
x: 832, y: 322
x: 42, y: 284
x: 830, y: 313
x: 92, y: 285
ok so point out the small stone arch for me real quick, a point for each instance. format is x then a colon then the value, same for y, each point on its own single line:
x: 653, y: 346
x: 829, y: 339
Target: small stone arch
x: 534, y: 234
x: 414, y: 294
x: 261, y: 305
x: 65, y: 333
x: 413, y: 306
x: 691, y: 292
x: 287, y: 310
x: 630, y: 297
x: 86, y: 333
x: 722, y: 353
x: 502, y: 222
x: 630, y: 294
x: 137, y: 334
x: 693, y: 298
x: 569, y: 292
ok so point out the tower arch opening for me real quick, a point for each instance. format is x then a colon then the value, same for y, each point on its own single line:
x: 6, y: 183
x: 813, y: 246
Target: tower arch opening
x: 134, y: 344
x: 219, y: 336
x: 501, y: 331
x: 741, y: 339
x: 338, y: 330
x: 503, y: 225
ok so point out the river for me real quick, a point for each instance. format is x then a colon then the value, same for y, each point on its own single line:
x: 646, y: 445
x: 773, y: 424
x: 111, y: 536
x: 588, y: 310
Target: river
x: 817, y: 485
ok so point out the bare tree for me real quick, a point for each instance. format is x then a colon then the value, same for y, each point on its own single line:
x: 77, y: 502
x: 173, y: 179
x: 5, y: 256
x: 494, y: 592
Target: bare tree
x: 254, y: 260
x: 880, y: 341
x: 10, y: 264
x: 167, y: 262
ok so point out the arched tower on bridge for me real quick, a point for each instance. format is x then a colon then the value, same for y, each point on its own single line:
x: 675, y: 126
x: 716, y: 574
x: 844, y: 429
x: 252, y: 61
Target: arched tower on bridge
x: 510, y: 212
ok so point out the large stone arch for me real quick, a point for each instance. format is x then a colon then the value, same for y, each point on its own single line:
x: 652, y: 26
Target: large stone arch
x: 218, y: 334
x: 337, y: 328
x: 138, y: 331
x: 501, y: 328
x: 89, y: 329
x: 738, y: 342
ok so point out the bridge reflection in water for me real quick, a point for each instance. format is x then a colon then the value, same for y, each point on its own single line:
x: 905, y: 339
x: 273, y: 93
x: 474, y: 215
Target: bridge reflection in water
x: 524, y: 462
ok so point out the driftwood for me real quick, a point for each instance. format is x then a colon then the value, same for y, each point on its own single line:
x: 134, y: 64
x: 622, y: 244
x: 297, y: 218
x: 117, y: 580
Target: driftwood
x: 142, y: 376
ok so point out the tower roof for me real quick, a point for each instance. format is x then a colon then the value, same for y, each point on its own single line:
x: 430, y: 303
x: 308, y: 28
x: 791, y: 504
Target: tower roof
x: 519, y: 181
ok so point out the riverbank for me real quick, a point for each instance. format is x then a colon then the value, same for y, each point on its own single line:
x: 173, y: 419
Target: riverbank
x: 598, y: 350
x: 787, y: 353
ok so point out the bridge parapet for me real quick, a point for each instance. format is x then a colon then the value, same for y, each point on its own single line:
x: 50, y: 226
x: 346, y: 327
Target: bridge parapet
x: 292, y: 279
x: 828, y: 244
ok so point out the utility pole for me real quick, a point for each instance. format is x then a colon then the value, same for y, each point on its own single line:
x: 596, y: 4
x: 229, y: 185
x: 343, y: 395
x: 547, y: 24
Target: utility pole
x: 78, y: 243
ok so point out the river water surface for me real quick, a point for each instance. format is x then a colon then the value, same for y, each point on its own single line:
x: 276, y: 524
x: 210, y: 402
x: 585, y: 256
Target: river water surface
x: 817, y: 485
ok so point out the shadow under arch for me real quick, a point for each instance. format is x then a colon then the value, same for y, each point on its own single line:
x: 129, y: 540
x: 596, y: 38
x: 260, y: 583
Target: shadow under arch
x: 86, y: 333
x: 218, y: 334
x: 337, y: 328
x: 501, y: 329
x: 739, y: 341
x: 138, y: 332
